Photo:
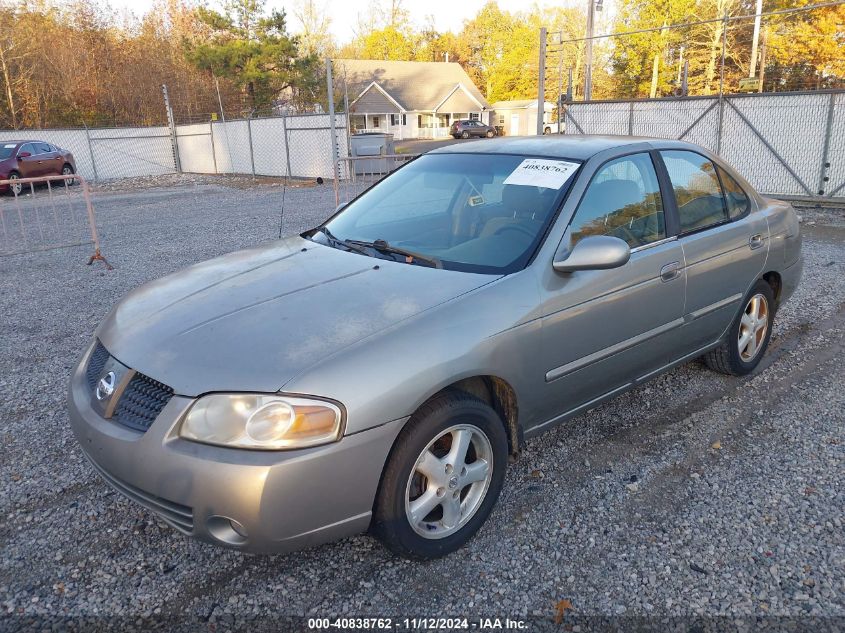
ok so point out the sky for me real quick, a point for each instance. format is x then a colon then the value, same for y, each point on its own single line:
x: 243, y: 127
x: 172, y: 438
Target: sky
x: 448, y: 15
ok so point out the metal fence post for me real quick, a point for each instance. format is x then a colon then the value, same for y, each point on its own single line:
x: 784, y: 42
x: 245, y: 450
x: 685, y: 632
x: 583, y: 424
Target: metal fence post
x: 91, y: 152
x: 213, y: 151
x: 172, y: 125
x: 333, y: 130
x: 631, y: 118
x: 249, y: 135
x: 287, y: 144
x: 825, y: 164
x: 541, y: 84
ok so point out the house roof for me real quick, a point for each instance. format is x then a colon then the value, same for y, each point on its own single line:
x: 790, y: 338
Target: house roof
x: 520, y: 103
x: 413, y: 85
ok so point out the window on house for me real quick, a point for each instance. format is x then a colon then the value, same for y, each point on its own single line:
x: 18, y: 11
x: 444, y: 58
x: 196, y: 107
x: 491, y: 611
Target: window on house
x: 501, y: 119
x: 398, y: 119
x: 474, y: 116
x: 375, y: 121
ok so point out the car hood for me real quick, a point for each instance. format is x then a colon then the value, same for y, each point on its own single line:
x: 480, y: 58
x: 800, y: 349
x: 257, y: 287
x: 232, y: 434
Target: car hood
x: 254, y: 319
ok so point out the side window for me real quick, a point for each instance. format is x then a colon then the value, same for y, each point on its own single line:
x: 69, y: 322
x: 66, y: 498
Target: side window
x: 622, y: 200
x: 735, y: 197
x: 697, y: 190
x: 27, y: 147
x: 44, y: 148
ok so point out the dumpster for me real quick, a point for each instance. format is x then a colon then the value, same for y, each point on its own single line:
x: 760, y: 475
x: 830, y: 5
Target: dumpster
x: 373, y: 144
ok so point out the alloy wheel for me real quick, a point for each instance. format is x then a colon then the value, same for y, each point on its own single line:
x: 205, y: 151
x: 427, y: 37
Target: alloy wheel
x: 449, y: 481
x: 753, y: 326
x: 15, y: 187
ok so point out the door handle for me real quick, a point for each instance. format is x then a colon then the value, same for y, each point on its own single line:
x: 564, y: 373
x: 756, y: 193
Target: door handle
x: 670, y: 271
x: 755, y: 241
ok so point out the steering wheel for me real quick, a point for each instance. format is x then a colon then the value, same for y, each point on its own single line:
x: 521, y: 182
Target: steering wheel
x: 515, y: 227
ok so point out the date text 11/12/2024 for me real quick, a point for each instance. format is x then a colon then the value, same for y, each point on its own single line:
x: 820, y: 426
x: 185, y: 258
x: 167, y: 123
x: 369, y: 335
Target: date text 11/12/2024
x: 421, y: 623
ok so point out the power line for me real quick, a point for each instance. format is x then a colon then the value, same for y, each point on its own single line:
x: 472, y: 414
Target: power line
x: 552, y: 48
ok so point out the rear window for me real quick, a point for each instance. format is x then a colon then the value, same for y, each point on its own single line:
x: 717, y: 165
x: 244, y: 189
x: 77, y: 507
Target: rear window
x: 6, y: 150
x: 735, y: 197
x: 697, y: 190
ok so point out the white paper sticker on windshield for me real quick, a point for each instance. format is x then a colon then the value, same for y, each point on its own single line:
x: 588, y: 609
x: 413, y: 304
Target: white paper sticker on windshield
x: 540, y: 172
x: 8, y: 145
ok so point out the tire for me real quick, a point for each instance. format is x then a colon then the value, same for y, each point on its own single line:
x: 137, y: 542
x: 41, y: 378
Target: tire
x: 465, y: 135
x: 490, y: 134
x: 547, y: 130
x: 68, y: 169
x: 425, y: 443
x: 734, y: 356
x: 14, y: 190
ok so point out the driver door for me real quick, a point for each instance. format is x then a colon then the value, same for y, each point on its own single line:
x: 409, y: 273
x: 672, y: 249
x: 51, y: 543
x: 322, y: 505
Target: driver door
x: 29, y: 166
x: 603, y: 329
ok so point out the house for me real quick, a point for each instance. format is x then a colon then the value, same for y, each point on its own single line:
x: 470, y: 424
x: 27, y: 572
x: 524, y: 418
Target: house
x: 519, y: 118
x: 409, y: 99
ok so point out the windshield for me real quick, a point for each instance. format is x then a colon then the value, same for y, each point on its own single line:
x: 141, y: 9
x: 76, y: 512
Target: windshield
x: 6, y: 150
x: 468, y: 212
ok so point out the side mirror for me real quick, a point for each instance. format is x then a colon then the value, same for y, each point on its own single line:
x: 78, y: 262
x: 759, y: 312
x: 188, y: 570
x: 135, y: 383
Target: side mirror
x: 595, y: 252
x: 24, y: 155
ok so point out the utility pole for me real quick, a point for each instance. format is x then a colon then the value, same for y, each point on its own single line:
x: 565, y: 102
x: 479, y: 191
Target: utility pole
x: 763, y: 48
x: 588, y: 65
x: 172, y: 125
x: 541, y: 83
x: 752, y: 68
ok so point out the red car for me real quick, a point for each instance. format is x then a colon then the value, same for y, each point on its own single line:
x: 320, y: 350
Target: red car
x: 28, y: 159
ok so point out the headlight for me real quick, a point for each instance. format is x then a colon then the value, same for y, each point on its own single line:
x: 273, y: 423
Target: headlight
x: 261, y: 421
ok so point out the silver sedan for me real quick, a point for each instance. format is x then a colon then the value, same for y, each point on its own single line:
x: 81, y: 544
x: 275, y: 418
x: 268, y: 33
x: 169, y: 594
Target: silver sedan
x: 375, y: 373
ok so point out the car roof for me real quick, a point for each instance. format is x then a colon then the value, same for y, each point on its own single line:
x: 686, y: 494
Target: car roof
x: 573, y: 146
x: 30, y: 140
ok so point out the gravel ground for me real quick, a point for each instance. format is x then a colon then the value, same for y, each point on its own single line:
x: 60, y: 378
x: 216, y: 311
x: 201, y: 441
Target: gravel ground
x: 695, y: 496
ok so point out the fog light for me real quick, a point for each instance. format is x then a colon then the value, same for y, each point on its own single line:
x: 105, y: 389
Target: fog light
x: 226, y: 530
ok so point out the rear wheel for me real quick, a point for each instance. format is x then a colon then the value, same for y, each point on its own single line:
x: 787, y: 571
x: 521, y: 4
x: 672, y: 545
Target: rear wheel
x: 15, y: 188
x: 465, y: 135
x: 748, y: 336
x: 442, y: 478
x: 66, y: 171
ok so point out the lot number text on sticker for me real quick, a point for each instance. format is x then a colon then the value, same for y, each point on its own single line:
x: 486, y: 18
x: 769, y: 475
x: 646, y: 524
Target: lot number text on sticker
x: 539, y: 172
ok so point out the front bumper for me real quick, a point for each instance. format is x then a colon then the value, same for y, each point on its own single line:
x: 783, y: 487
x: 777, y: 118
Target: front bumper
x: 259, y: 501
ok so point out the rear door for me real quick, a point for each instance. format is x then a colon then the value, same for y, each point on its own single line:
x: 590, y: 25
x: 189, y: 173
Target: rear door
x: 51, y: 160
x: 724, y: 241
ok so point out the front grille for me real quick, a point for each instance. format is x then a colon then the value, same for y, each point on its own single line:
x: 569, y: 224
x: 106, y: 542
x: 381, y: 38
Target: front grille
x: 95, y: 365
x: 175, y: 514
x: 141, y: 402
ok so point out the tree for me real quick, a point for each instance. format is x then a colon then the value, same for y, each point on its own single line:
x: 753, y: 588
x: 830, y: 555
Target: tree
x: 388, y: 43
x: 255, y: 52
x: 314, y: 18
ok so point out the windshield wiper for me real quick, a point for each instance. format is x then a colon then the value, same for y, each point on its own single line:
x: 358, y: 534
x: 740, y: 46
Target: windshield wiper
x: 336, y: 241
x: 410, y: 256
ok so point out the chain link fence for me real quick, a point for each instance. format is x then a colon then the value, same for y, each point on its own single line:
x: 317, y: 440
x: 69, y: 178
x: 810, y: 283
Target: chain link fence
x: 788, y: 144
x: 296, y: 146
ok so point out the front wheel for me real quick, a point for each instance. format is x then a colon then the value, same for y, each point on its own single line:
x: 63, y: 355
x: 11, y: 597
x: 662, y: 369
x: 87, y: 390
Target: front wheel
x: 442, y: 478
x: 547, y: 131
x: 748, y: 336
x: 15, y: 188
x: 490, y: 134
